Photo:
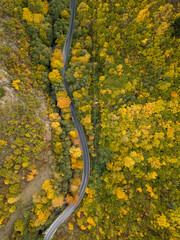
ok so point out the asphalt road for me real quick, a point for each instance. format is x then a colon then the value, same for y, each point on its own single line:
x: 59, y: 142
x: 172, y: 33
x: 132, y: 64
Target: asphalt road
x: 85, y: 152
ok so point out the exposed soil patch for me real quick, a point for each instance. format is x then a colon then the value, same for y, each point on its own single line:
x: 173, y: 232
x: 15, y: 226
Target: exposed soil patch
x: 25, y: 199
x: 9, y: 91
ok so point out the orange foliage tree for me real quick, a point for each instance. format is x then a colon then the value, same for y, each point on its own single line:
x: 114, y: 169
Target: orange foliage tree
x: 72, y: 200
x: 63, y: 101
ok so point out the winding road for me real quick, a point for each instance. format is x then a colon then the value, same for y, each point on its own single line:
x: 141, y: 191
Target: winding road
x: 86, y: 167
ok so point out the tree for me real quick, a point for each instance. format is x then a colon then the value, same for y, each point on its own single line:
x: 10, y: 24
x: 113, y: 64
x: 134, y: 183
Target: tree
x: 63, y: 101
x: 19, y: 226
x: 55, y: 76
x: 75, y: 152
x: 58, y: 201
x: 72, y: 200
x: 57, y: 59
x: 65, y: 14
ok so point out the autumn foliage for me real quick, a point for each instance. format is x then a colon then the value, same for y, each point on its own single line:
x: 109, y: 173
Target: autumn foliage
x: 123, y: 78
x: 135, y: 118
x: 55, y: 76
x: 57, y: 59
x: 72, y: 200
x: 63, y: 101
x: 58, y: 201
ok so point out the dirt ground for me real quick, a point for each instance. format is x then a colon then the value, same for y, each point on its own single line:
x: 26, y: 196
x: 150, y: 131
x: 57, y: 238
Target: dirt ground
x: 25, y: 199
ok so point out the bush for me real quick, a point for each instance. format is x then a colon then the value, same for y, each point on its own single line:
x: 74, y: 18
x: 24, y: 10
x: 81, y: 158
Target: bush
x: 2, y: 92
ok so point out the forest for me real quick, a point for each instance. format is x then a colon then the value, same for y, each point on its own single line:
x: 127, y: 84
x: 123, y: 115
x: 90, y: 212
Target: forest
x: 123, y: 77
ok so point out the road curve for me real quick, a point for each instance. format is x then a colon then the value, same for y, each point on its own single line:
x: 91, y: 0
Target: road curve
x: 85, y: 152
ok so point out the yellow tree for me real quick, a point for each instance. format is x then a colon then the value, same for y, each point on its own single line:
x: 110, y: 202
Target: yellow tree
x: 65, y: 14
x: 57, y: 59
x: 75, y: 152
x: 19, y: 226
x: 55, y: 76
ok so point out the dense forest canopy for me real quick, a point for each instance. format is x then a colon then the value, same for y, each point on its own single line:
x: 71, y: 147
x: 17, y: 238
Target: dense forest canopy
x: 123, y: 76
